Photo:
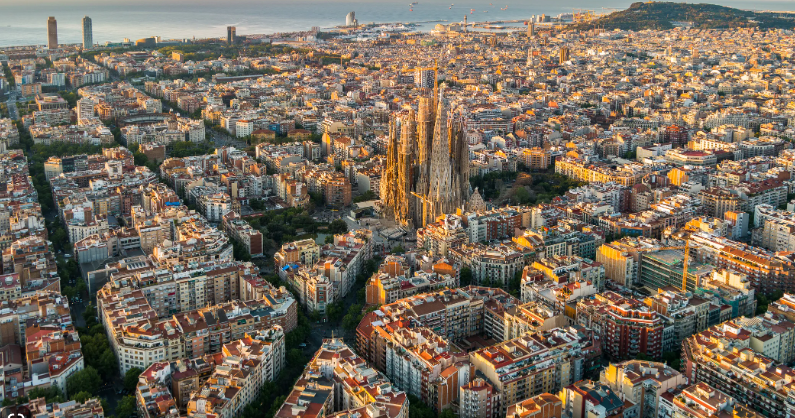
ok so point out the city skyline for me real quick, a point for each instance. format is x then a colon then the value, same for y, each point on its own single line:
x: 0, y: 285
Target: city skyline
x: 552, y: 212
x: 263, y: 18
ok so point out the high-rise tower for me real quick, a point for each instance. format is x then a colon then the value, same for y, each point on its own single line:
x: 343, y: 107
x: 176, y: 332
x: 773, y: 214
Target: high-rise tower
x: 230, y: 35
x: 88, y: 33
x: 350, y: 19
x: 52, y: 33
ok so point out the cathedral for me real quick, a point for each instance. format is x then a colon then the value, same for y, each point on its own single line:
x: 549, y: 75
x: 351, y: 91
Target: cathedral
x: 427, y: 167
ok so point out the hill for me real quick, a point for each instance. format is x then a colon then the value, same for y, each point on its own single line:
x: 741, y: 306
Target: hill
x: 663, y: 15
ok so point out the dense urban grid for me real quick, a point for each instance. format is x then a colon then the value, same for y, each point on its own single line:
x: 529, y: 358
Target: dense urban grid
x: 375, y: 222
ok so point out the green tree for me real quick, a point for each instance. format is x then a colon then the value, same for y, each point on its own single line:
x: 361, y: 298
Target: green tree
x: 338, y: 226
x: 515, y: 285
x: 131, y: 379
x: 126, y: 407
x: 295, y: 357
x: 86, y: 380
x: 447, y: 413
x: 257, y: 204
x: 368, y: 195
x: 335, y: 310
x: 521, y: 196
x: 51, y: 394
x: 398, y: 249
x: 418, y: 409
x: 81, y: 396
x: 466, y: 277
x: 240, y: 252
x: 60, y: 239
x: 353, y: 317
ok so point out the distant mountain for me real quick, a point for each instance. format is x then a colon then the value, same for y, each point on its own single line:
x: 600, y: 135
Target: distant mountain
x: 664, y: 15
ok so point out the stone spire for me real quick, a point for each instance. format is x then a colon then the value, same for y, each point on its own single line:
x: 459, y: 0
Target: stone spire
x: 405, y: 163
x: 389, y: 178
x: 475, y: 202
x: 441, y: 187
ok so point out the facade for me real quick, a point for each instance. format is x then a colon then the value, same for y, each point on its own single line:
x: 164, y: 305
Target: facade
x: 245, y: 366
x: 496, y: 265
x: 762, y: 383
x: 88, y: 33
x: 643, y: 383
x: 595, y: 400
x: 440, y: 236
x: 701, y: 400
x: 627, y: 327
x: 442, y: 164
x: 52, y: 33
x: 142, y: 336
x: 477, y: 400
x: 545, y: 405
x: 517, y: 369
x: 337, y: 382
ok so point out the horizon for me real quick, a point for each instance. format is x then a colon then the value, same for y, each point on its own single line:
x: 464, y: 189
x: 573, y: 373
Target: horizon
x: 24, y: 22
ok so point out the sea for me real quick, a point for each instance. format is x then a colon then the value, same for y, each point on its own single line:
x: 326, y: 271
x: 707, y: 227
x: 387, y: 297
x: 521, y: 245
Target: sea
x: 24, y: 22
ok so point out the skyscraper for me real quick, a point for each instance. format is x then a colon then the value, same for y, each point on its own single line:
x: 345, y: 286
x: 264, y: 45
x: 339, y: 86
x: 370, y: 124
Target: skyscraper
x: 531, y: 29
x: 88, y: 34
x: 230, y: 34
x: 52, y: 33
x: 350, y: 19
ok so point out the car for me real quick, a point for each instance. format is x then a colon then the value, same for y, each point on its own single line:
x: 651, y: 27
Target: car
x: 302, y: 345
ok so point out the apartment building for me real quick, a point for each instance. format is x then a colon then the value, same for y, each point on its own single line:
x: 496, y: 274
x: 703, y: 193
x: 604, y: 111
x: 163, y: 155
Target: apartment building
x: 537, y: 363
x: 90, y: 408
x: 440, y: 236
x: 545, y: 405
x: 626, y: 326
x: 563, y: 269
x: 306, y: 252
x: 243, y: 369
x: 337, y: 381
x: 597, y: 400
x: 644, y: 383
x: 757, y: 381
x: 394, y: 280
x: 689, y: 314
x: 140, y: 337
x: 701, y: 400
x: 766, y: 271
x: 489, y: 264
x: 477, y: 400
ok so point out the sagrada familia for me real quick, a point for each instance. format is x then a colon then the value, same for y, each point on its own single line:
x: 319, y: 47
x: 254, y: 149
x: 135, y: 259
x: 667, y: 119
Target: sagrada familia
x: 427, y: 169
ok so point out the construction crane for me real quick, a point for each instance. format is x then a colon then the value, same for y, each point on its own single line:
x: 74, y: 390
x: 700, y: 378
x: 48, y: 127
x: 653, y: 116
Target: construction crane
x: 685, y: 261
